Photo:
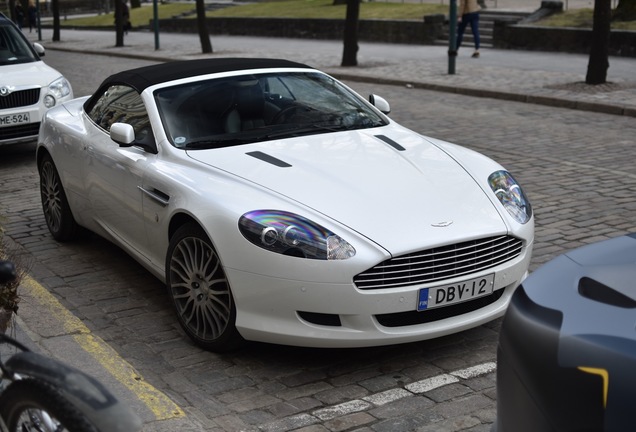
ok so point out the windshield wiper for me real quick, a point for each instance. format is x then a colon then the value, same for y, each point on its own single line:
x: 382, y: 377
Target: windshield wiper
x: 303, y: 130
x: 220, y: 143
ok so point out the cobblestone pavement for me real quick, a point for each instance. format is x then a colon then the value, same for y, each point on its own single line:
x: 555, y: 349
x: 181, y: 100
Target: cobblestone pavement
x: 576, y: 166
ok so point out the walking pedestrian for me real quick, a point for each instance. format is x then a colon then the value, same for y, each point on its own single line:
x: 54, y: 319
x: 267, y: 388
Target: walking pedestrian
x: 32, y: 14
x: 126, y: 16
x: 19, y: 14
x: 469, y: 14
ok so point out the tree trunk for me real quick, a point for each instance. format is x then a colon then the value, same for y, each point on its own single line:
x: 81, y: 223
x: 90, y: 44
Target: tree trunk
x: 625, y: 11
x: 350, y: 51
x: 599, y: 50
x: 119, y: 23
x: 204, y: 35
x: 12, y: 10
x: 55, y: 10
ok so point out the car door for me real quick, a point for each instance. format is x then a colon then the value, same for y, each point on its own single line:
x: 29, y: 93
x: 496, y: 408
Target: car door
x: 113, y: 173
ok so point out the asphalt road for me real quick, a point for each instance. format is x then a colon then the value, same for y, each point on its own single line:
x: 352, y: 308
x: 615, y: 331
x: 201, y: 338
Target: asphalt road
x: 576, y: 167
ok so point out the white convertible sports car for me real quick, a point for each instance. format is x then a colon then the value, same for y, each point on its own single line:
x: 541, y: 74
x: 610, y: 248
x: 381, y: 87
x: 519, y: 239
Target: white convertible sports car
x: 280, y: 206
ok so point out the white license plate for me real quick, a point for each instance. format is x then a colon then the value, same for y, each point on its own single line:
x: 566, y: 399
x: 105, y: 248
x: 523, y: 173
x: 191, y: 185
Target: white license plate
x: 445, y: 295
x: 14, y: 119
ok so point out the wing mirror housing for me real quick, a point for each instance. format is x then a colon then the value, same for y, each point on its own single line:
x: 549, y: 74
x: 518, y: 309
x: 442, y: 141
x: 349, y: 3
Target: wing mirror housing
x: 123, y: 134
x: 380, y: 103
x: 39, y: 49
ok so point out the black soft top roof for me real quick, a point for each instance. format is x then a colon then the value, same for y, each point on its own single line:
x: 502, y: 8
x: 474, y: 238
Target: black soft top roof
x: 144, y: 77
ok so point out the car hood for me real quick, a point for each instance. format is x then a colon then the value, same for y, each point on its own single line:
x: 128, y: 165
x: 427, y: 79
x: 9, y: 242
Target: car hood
x: 401, y: 192
x: 27, y: 74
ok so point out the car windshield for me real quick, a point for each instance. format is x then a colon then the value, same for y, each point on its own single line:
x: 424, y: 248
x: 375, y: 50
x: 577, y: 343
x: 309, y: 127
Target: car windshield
x: 245, y: 109
x: 14, y: 48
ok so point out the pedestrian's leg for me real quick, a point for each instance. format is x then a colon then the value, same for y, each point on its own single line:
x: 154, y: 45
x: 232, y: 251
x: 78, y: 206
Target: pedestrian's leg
x: 474, y: 27
x: 460, y: 31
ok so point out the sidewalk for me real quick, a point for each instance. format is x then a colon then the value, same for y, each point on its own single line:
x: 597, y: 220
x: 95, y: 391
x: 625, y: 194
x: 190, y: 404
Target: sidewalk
x: 555, y: 79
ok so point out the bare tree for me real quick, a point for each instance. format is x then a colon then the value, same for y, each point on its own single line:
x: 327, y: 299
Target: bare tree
x: 350, y: 50
x: 55, y: 10
x: 119, y: 23
x: 12, y: 10
x: 599, y: 50
x: 204, y: 35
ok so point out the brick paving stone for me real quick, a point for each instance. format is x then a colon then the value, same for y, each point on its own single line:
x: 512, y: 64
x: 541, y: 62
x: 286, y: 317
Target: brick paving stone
x: 341, y: 394
x: 349, y: 421
x: 448, y: 392
x: 409, y: 423
x: 405, y: 407
x: 456, y: 424
x: 462, y: 406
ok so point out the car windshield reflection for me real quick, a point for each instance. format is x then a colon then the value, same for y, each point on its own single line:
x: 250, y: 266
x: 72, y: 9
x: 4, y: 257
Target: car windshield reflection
x: 246, y: 109
x: 14, y: 48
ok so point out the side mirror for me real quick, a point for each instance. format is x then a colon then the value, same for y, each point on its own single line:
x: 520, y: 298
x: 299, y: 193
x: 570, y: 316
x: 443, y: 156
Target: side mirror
x: 39, y: 49
x: 380, y: 103
x: 123, y: 134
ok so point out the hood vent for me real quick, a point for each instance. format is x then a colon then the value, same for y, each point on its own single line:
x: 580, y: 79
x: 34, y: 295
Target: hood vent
x: 594, y: 290
x: 269, y: 159
x: 390, y: 142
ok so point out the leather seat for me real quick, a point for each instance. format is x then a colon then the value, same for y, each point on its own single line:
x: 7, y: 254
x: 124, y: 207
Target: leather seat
x: 248, y: 110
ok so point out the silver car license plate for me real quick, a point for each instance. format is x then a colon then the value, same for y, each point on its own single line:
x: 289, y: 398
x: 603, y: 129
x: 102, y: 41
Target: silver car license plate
x: 445, y: 295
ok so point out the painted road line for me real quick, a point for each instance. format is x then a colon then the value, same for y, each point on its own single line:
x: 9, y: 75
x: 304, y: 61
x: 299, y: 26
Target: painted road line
x: 382, y: 398
x: 432, y: 383
x: 388, y: 396
x: 475, y: 371
x: 158, y: 403
x: 342, y: 409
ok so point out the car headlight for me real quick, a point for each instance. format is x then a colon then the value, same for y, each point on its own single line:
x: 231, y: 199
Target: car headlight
x: 58, y: 89
x: 510, y: 195
x: 289, y: 234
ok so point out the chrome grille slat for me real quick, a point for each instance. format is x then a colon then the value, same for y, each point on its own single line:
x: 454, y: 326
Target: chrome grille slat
x: 20, y: 98
x: 435, y: 259
x: 440, y: 263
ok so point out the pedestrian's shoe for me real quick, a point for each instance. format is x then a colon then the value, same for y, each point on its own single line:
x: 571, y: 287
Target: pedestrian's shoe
x: 475, y: 54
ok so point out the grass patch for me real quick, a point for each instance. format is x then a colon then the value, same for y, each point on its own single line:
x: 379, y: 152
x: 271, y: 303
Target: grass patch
x: 138, y: 16
x: 326, y: 9
x: 281, y: 9
x: 580, y: 18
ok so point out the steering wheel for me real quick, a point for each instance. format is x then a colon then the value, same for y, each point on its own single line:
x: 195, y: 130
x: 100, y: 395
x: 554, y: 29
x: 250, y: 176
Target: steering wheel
x: 282, y: 115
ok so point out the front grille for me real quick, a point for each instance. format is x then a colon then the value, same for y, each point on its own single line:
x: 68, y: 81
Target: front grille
x: 20, y: 98
x: 440, y: 263
x: 20, y: 131
x: 402, y: 319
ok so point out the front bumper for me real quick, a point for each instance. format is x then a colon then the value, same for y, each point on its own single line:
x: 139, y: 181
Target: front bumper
x: 300, y: 313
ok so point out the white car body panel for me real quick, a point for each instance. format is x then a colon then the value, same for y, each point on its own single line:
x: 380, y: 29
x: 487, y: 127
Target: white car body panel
x: 384, y: 201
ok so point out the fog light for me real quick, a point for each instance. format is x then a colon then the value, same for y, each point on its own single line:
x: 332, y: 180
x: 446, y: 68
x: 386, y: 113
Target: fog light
x: 49, y: 101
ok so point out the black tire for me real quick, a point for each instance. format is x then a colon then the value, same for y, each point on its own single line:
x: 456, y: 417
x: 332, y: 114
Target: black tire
x: 25, y: 404
x: 57, y: 212
x: 200, y: 291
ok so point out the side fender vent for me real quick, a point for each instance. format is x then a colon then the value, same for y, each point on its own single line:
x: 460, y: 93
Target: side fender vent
x: 594, y: 290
